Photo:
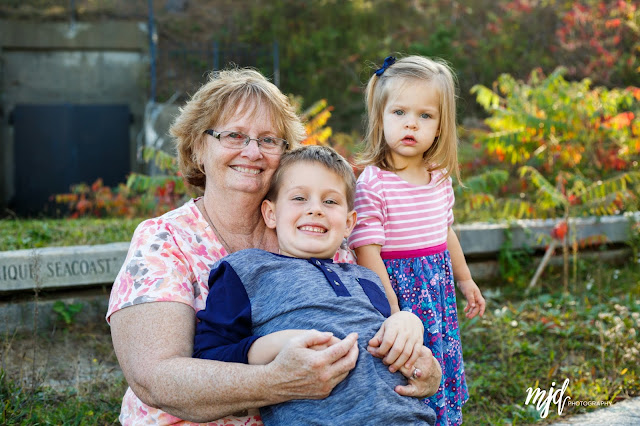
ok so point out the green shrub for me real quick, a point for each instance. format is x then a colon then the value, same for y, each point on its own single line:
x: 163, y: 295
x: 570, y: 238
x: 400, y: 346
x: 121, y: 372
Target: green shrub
x: 567, y: 148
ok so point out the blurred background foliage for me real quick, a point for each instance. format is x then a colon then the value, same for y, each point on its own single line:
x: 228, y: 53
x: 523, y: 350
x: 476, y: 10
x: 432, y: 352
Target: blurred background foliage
x: 549, y: 107
x: 548, y: 89
x: 328, y: 48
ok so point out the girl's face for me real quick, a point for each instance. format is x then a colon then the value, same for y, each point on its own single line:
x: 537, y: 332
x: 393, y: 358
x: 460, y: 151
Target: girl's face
x: 411, y: 120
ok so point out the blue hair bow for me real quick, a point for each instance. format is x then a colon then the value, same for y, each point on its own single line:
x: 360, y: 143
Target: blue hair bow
x: 388, y: 61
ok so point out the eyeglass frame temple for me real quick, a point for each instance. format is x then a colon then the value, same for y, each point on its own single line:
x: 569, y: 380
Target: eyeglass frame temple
x: 213, y: 133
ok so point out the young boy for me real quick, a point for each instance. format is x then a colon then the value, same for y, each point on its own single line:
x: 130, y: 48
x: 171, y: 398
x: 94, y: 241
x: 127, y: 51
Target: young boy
x: 258, y: 300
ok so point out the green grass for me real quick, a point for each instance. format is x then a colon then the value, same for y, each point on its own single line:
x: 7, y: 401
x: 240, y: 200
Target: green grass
x: 94, y: 404
x: 588, y: 336
x: 32, y: 233
x: 64, y: 375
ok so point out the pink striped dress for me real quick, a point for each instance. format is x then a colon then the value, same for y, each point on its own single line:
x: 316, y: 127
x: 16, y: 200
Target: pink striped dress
x: 411, y: 224
x: 401, y: 217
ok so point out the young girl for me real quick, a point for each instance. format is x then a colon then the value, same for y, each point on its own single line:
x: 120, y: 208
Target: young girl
x: 404, y: 201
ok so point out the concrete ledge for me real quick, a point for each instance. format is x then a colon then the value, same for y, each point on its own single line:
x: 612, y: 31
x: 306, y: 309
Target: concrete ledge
x: 85, y: 273
x: 60, y: 267
x: 23, y: 314
x: 488, y: 238
x: 85, y: 266
x: 18, y: 312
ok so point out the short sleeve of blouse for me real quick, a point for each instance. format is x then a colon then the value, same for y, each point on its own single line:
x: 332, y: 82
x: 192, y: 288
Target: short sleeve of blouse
x: 369, y: 205
x: 168, y: 260
x: 450, y: 200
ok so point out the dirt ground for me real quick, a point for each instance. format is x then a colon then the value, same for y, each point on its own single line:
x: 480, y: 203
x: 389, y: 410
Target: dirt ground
x: 60, y: 358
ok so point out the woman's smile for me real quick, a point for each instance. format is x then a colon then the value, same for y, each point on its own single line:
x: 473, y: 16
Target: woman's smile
x: 247, y: 169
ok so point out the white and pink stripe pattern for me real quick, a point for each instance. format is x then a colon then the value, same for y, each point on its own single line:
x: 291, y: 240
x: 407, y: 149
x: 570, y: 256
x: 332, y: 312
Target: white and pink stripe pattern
x: 405, y: 219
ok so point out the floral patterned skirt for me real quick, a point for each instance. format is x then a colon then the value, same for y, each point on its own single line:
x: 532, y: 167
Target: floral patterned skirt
x: 425, y: 286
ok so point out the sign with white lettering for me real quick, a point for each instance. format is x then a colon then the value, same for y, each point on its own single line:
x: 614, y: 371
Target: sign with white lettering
x: 60, y: 266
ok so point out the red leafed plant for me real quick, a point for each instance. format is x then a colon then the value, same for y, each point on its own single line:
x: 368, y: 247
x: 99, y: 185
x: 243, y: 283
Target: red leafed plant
x: 559, y: 231
x: 600, y: 40
x: 563, y: 149
x: 99, y: 200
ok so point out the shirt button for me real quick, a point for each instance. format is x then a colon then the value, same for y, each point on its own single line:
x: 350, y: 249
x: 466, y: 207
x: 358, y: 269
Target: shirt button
x: 336, y: 283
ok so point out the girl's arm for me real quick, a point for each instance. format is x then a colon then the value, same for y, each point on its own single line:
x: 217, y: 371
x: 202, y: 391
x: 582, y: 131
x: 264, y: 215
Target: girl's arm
x: 475, y: 302
x: 369, y: 257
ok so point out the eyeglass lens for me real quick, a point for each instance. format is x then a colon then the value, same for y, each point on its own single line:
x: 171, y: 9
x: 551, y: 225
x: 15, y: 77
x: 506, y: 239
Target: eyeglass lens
x: 239, y: 140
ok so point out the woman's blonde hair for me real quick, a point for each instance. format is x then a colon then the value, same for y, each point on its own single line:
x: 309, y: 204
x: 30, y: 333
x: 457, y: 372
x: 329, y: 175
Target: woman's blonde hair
x: 216, y: 102
x: 443, y: 154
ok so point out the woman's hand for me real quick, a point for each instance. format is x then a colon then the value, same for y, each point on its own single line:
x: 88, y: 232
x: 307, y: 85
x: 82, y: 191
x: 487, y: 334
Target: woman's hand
x: 398, y: 341
x: 475, y: 301
x: 322, y: 346
x: 424, y: 378
x: 304, y: 371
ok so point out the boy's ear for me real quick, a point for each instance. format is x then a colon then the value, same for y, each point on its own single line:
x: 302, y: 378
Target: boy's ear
x: 269, y: 213
x: 351, y: 223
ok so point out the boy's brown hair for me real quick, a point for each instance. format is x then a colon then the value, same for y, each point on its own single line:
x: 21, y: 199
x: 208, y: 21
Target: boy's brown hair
x: 323, y: 155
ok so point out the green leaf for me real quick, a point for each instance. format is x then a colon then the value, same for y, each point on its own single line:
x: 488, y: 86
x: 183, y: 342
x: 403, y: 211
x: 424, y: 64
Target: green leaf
x: 485, y: 97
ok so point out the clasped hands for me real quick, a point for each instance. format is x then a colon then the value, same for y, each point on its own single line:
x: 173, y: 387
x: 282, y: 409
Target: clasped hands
x: 313, y: 363
x: 399, y: 343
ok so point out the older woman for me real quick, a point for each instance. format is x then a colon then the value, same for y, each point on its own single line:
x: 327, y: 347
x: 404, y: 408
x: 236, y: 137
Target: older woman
x: 230, y: 136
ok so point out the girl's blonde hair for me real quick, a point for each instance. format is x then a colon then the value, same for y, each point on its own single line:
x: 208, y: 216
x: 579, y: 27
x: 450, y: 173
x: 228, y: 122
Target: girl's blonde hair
x: 443, y: 154
x: 216, y: 102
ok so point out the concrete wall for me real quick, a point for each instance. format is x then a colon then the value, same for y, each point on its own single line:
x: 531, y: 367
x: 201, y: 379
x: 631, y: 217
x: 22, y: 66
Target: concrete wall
x: 54, y: 63
x: 158, y: 120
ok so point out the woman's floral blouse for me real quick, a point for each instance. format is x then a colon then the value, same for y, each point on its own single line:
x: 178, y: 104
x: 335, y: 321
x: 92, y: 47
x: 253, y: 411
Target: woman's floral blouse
x: 169, y: 260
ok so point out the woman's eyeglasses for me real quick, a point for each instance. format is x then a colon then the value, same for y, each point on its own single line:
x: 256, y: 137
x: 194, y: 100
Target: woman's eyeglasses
x: 237, y: 140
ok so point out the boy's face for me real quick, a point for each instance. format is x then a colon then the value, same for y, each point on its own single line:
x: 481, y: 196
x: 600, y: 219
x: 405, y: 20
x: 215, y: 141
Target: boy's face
x: 310, y: 215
